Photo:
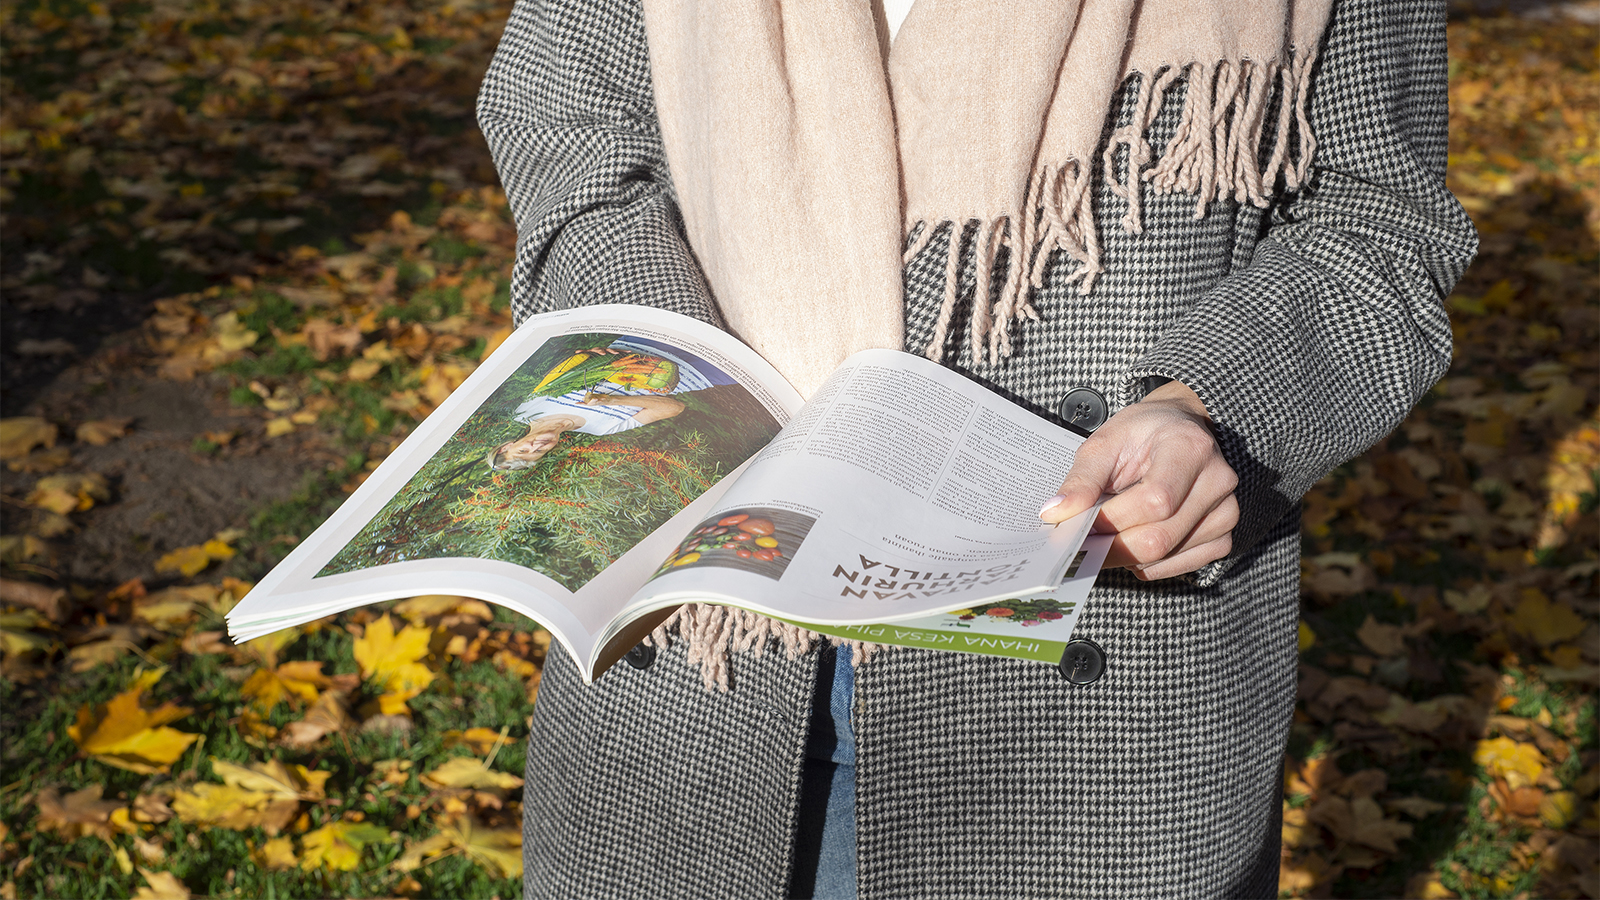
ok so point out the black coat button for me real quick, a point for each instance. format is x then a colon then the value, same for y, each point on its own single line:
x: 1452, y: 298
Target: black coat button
x: 1083, y: 409
x: 1083, y: 662
x: 641, y: 656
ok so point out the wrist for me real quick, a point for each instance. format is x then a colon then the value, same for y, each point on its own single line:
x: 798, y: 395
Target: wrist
x: 1178, y: 394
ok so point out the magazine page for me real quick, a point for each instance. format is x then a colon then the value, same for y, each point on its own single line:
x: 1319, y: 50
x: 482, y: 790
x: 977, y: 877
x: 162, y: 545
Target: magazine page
x: 543, y: 483
x: 901, y: 489
x: 1035, y: 626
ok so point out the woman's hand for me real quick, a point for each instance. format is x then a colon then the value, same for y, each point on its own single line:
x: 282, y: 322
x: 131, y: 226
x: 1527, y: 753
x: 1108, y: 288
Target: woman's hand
x: 1173, y: 508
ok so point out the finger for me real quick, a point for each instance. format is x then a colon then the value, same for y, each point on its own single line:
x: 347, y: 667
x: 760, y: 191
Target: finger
x: 1089, y: 478
x: 1149, y: 544
x: 1187, y: 561
x: 1183, y: 480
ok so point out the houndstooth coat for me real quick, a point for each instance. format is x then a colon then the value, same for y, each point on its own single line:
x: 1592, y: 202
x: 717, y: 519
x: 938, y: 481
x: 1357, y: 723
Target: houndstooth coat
x: 1309, y: 330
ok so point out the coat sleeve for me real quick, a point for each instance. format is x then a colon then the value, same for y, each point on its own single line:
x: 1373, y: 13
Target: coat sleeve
x: 568, y: 112
x: 1322, y: 342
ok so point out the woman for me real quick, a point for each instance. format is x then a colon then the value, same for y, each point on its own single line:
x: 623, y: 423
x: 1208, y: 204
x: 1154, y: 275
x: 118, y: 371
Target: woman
x: 1254, y: 309
x: 633, y: 388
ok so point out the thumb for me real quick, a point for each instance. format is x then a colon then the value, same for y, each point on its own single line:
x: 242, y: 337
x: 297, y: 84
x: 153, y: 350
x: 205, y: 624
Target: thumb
x: 1088, y: 479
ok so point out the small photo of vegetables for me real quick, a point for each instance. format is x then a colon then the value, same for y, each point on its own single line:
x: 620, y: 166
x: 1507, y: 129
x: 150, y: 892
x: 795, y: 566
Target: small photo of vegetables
x: 1015, y: 611
x: 755, y: 539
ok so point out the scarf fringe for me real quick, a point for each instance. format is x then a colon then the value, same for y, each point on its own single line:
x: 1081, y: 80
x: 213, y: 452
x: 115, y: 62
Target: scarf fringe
x: 1214, y: 153
x: 714, y: 633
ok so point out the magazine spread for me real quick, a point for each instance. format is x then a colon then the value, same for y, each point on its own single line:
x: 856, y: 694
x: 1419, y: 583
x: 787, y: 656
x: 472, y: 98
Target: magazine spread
x: 609, y: 463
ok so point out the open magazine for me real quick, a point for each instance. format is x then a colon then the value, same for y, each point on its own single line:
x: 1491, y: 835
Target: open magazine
x: 608, y: 464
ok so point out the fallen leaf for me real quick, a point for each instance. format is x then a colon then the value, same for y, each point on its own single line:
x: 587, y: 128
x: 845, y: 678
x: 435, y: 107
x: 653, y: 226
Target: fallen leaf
x: 21, y: 434
x: 390, y: 661
x: 190, y: 561
x: 338, y: 845
x: 151, y: 808
x: 1519, y: 764
x: 1360, y: 821
x: 1306, y: 638
x: 149, y: 851
x: 469, y: 773
x: 1384, y: 640
x: 230, y: 806
x: 327, y: 339
x: 328, y: 715
x: 101, y: 432
x: 41, y: 461
x: 1364, y: 783
x: 162, y: 886
x: 1474, y: 600
x: 62, y: 494
x: 1558, y: 809
x: 17, y: 637
x: 52, y: 602
x: 275, y: 854
x: 1545, y: 622
x: 77, y: 814
x: 267, y: 647
x: 301, y: 680
x: 186, y: 561
x: 125, y: 734
x: 231, y: 334
x: 480, y: 740
x: 497, y: 849
x: 1298, y: 832
x: 263, y: 795
x: 1427, y: 886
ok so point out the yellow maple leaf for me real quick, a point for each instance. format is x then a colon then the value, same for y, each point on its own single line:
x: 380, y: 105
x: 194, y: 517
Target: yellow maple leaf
x: 390, y: 661
x: 276, y: 779
x: 230, y: 806
x: 263, y: 795
x: 1545, y: 622
x: 338, y: 845
x: 162, y: 886
x: 301, y: 679
x: 277, y: 853
x: 469, y: 773
x: 123, y: 733
x: 1519, y: 764
x: 497, y: 849
x: 21, y: 434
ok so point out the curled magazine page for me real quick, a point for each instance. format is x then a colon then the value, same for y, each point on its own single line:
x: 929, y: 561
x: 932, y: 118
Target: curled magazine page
x: 900, y: 490
x: 1033, y: 626
x: 545, y: 481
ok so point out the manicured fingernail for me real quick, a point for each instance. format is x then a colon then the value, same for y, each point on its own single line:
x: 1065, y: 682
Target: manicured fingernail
x: 1052, y: 503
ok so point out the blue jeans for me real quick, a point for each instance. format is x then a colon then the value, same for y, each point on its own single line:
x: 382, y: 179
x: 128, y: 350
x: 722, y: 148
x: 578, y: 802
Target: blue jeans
x: 825, y: 842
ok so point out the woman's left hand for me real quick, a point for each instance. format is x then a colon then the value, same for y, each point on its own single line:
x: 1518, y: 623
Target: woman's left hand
x: 1173, y: 508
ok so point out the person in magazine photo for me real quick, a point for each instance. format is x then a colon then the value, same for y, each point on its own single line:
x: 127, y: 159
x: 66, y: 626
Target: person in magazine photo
x: 635, y: 388
x: 592, y: 444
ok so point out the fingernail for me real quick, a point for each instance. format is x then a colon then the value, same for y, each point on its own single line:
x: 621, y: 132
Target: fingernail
x: 1052, y: 503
